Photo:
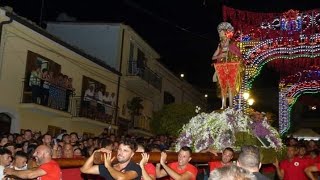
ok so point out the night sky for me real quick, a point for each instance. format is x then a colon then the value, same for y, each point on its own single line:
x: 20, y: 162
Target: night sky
x: 183, y: 32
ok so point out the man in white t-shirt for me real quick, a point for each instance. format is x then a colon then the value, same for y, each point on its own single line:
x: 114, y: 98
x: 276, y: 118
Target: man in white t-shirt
x: 111, y: 99
x: 87, y: 98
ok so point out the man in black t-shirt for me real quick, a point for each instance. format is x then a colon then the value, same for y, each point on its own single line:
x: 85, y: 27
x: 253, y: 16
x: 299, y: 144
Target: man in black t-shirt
x: 124, y: 169
x: 249, y: 159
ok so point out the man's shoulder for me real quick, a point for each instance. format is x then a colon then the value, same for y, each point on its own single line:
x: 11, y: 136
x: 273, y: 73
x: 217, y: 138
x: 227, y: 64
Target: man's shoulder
x: 191, y: 167
x: 132, y: 166
x: 51, y: 163
x: 173, y: 164
x: 215, y: 163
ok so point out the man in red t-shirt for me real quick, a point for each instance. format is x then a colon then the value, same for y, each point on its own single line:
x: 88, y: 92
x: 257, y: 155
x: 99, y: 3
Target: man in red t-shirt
x: 177, y: 170
x: 226, y: 158
x: 293, y: 167
x: 48, y: 169
x: 148, y: 169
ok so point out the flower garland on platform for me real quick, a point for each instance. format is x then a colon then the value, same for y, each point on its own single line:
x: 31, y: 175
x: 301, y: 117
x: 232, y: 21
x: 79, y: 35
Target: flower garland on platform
x: 218, y: 130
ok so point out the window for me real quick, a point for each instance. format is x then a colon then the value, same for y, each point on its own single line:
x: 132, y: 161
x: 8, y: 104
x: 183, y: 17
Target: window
x: 141, y: 61
x: 168, y: 98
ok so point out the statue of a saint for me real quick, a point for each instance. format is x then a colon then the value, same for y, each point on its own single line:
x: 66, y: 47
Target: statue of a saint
x: 226, y: 62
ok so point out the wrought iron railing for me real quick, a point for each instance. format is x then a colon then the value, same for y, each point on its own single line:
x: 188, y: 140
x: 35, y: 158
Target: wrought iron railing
x: 93, y: 109
x: 142, y: 122
x: 64, y: 99
x: 145, y: 73
x: 47, y: 94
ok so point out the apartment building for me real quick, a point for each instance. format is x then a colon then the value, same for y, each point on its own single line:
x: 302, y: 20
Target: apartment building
x: 83, y: 77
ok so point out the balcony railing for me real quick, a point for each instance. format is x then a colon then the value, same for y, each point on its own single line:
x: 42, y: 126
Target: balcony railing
x: 142, y: 122
x: 93, y: 109
x: 64, y: 99
x: 145, y: 73
x: 47, y: 94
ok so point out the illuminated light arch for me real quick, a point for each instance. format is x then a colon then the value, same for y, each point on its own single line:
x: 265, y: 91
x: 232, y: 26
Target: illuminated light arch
x: 287, y: 98
x: 264, y: 37
x: 260, y: 54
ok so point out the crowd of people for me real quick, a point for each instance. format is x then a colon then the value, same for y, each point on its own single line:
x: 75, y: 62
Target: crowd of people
x: 32, y: 155
x: 50, y: 89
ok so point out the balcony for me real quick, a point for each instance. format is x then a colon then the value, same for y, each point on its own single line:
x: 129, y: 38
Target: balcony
x: 47, y: 98
x: 60, y: 101
x: 151, y: 81
x: 92, y: 109
x: 141, y: 126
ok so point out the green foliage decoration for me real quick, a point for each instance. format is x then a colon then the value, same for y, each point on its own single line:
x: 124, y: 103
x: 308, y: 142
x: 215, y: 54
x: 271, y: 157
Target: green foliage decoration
x: 170, y: 119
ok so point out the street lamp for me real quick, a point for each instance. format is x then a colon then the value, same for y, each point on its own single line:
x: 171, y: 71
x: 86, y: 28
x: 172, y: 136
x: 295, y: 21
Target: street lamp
x: 182, y: 75
x: 206, y: 95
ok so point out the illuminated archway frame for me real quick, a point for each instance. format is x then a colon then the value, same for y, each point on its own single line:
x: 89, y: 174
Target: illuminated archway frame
x: 287, y: 98
x: 254, y: 61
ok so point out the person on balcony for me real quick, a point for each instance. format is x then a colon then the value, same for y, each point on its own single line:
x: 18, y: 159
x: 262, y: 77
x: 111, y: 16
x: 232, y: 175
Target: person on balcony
x: 69, y: 91
x: 111, y: 99
x: 35, y: 83
x: 100, y: 106
x: 53, y: 92
x: 45, y: 87
x: 60, y: 92
x: 87, y: 98
x: 105, y: 99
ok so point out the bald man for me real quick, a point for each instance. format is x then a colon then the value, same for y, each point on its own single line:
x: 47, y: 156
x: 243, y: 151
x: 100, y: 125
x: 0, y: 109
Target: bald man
x: 47, y: 170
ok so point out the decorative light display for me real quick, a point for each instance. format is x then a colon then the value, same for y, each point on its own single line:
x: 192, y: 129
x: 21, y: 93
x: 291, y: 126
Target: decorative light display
x: 263, y: 52
x: 287, y: 98
x: 289, y: 37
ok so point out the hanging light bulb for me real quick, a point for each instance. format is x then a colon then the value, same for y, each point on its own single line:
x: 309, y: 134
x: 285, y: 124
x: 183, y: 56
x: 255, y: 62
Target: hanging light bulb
x: 246, y: 95
x: 250, y: 101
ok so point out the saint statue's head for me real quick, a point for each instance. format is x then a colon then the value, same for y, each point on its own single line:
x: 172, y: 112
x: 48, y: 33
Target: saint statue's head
x: 225, y: 30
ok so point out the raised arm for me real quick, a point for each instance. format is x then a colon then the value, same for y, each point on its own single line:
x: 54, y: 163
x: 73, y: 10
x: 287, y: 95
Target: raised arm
x: 117, y: 174
x: 88, y: 167
x: 160, y: 172
x: 143, y: 162
x: 280, y: 171
x: 310, y: 170
x: 185, y: 176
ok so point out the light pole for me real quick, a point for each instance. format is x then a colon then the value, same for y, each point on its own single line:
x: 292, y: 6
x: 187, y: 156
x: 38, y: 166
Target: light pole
x: 206, y: 105
x: 182, y: 91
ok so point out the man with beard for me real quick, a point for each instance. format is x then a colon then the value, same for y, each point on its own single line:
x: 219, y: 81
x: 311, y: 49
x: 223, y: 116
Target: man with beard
x: 124, y: 169
x: 47, y: 170
x: 177, y: 170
